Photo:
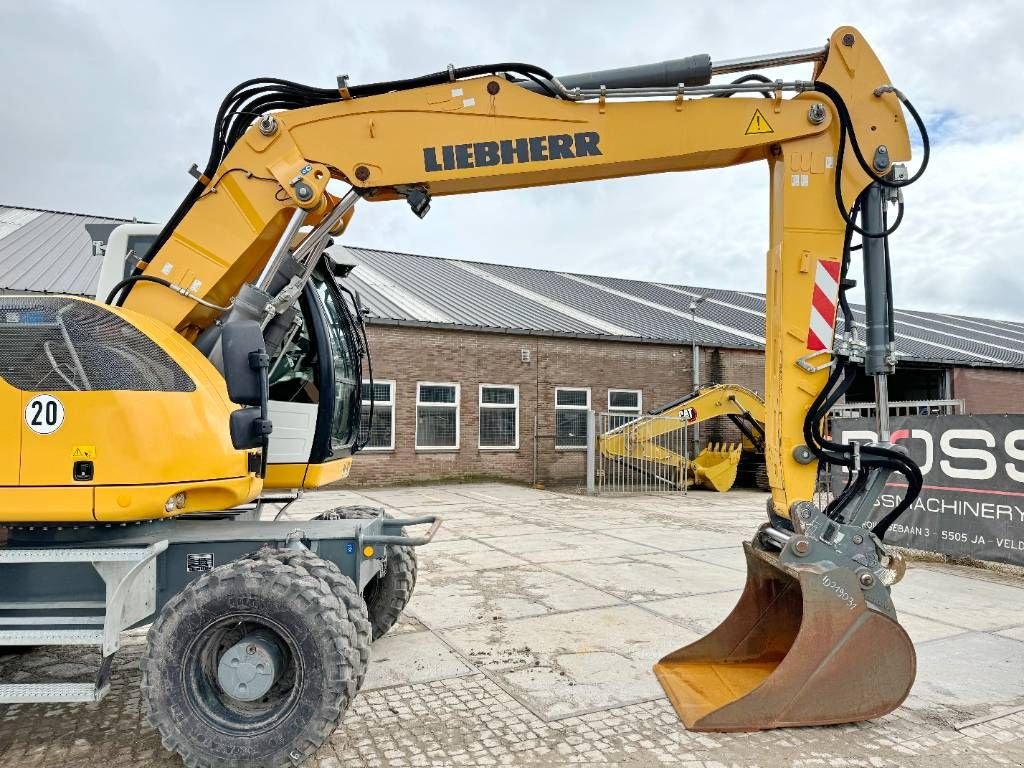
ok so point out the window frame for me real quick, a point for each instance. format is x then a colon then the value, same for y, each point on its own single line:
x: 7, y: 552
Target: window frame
x: 458, y: 415
x: 498, y: 406
x: 570, y: 408
x: 392, y: 384
x: 627, y: 411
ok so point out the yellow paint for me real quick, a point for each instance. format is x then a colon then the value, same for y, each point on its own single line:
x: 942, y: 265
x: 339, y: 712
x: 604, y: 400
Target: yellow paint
x: 758, y: 124
x: 307, y: 476
x: 38, y: 505
x: 145, y: 447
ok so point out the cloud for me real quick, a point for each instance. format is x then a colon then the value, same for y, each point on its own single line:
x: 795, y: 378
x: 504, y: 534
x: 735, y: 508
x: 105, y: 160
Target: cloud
x: 109, y: 103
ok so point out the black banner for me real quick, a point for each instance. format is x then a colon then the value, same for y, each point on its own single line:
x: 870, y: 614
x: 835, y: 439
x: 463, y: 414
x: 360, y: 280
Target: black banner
x: 972, y: 503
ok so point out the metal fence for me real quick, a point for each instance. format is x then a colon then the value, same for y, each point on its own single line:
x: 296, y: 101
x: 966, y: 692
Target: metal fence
x: 646, y: 454
x: 900, y: 408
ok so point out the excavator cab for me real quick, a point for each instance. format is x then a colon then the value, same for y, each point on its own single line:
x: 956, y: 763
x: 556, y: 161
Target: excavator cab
x: 315, y: 372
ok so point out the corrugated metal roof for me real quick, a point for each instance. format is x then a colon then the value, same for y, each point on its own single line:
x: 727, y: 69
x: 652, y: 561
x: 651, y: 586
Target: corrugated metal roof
x: 524, y: 299
x: 48, y: 251
x: 51, y: 252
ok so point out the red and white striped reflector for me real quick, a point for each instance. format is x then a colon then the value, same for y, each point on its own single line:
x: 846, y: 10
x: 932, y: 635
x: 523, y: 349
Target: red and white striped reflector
x: 823, y: 306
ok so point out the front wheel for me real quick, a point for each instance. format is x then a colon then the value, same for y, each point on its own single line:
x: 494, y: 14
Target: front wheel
x: 252, y: 664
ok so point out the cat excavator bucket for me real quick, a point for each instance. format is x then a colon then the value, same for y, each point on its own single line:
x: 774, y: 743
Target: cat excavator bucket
x: 813, y: 640
x: 716, y: 466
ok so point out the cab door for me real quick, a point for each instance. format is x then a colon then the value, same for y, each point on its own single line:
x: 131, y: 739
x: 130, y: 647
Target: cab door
x: 314, y: 392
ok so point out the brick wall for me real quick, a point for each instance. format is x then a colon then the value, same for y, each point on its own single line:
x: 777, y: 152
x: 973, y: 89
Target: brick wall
x: 989, y: 390
x: 408, y: 355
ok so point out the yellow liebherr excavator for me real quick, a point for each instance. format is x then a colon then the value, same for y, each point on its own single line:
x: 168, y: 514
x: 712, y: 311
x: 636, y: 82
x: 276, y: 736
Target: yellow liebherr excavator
x: 638, y: 442
x: 129, y: 448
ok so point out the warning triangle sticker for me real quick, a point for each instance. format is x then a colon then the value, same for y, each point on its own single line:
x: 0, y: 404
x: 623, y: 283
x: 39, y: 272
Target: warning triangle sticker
x: 758, y: 124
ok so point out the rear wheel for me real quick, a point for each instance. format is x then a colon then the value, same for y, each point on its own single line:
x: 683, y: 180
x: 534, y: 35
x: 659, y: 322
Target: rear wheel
x: 389, y: 592
x: 252, y: 664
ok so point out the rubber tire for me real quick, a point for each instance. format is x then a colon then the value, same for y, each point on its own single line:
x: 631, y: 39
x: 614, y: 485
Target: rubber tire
x: 342, y: 587
x: 386, y: 596
x: 288, y: 595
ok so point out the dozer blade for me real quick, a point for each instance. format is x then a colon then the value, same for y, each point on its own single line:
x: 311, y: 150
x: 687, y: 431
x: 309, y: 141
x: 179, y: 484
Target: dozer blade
x: 716, y: 466
x: 802, y: 647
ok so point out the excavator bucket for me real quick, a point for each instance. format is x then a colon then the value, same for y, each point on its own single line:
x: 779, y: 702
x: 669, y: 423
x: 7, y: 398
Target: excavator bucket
x: 802, y: 647
x: 716, y: 466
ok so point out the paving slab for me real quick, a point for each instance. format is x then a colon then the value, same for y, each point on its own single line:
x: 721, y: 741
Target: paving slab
x: 698, y: 613
x: 969, y: 675
x: 574, y: 662
x: 1016, y: 633
x: 463, y: 554
x: 412, y: 657
x: 959, y: 600
x: 460, y: 598
x: 923, y: 630
x: 727, y: 557
x: 498, y: 526
x: 676, y: 538
x: 507, y: 494
x: 651, y: 576
x: 565, y: 545
x: 427, y: 495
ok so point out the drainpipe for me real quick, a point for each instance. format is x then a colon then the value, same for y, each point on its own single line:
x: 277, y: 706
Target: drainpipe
x: 695, y: 364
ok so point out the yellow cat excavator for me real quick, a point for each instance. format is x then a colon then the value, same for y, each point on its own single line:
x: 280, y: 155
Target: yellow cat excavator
x: 135, y: 427
x: 639, y: 443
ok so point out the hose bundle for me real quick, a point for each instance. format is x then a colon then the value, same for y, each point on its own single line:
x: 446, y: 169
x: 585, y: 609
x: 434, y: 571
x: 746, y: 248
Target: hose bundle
x: 843, y: 372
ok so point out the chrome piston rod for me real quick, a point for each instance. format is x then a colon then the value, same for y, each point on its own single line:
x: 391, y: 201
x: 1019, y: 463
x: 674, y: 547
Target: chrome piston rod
x: 780, y: 538
x: 767, y: 60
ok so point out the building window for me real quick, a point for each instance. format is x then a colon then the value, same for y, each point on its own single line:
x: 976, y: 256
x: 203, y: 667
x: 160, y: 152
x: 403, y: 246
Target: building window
x: 623, y: 405
x: 499, y: 416
x: 571, y: 406
x: 437, y: 416
x: 380, y: 434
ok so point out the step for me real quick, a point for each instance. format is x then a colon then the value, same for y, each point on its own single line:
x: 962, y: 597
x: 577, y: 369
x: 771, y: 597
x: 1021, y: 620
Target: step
x: 63, y: 554
x: 46, y: 693
x: 51, y: 637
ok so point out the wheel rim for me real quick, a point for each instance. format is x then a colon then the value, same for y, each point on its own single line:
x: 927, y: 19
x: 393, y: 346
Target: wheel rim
x: 208, y: 699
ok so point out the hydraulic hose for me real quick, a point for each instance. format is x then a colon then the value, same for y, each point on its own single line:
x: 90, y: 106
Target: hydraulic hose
x: 253, y: 97
x: 847, y: 132
x: 119, y: 287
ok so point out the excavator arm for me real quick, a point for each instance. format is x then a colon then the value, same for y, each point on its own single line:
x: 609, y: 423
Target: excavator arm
x: 814, y: 639
x: 637, y: 444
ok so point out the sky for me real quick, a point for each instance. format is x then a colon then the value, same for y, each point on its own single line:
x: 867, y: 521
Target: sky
x: 107, y: 104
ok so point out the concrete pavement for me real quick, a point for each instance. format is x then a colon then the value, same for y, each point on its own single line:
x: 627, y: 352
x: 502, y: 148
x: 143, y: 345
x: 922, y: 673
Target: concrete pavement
x: 530, y: 640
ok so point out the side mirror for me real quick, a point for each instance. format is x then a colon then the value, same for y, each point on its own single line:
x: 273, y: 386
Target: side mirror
x: 242, y: 345
x: 249, y: 429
